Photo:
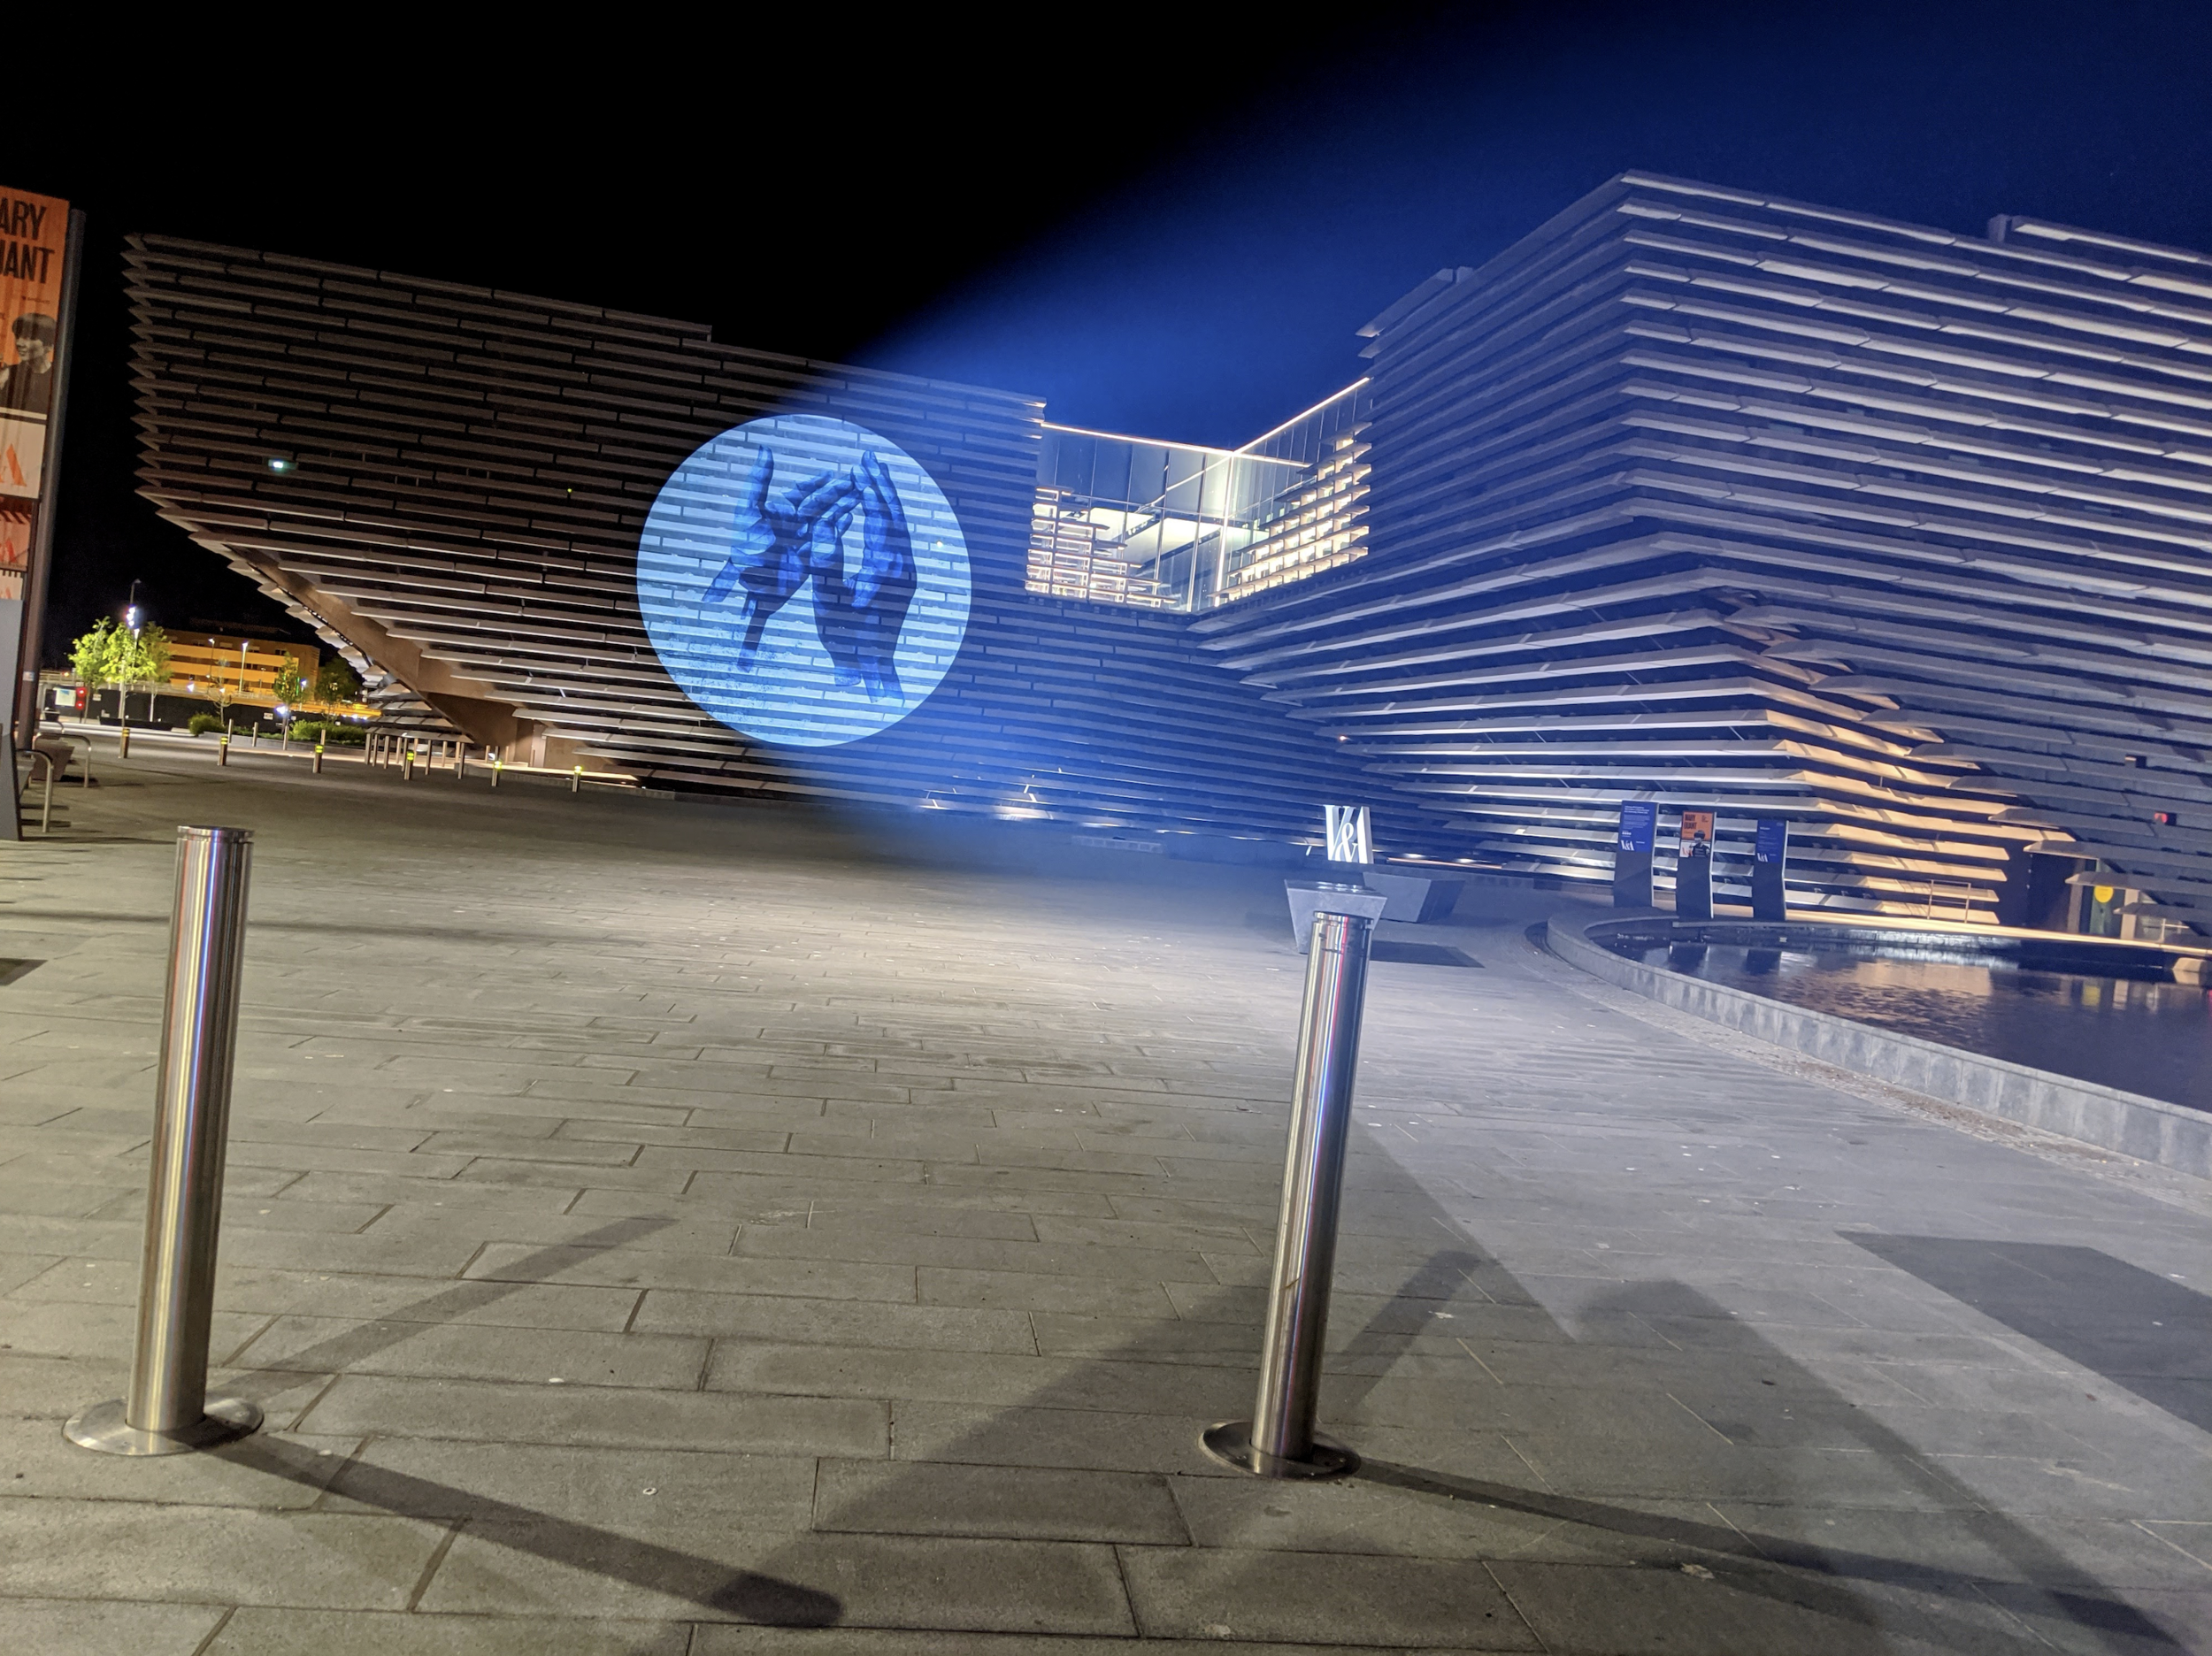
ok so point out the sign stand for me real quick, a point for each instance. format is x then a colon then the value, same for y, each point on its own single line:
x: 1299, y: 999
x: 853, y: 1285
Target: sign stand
x: 1631, y: 853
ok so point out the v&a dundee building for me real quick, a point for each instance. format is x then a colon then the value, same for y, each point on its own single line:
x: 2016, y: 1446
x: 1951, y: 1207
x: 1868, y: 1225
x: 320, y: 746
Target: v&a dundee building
x: 1691, y: 497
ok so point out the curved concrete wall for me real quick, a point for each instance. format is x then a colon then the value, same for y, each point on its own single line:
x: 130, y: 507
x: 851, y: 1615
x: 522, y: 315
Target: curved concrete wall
x: 2148, y: 1128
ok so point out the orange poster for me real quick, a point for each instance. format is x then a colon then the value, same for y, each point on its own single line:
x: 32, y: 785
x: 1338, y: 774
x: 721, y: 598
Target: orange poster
x: 32, y: 229
x: 15, y: 549
x: 1697, y: 828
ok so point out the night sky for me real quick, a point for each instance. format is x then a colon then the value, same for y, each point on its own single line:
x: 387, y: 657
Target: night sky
x: 1163, y: 222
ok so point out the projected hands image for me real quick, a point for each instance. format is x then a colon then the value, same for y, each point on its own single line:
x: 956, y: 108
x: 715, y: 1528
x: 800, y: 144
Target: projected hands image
x: 804, y: 580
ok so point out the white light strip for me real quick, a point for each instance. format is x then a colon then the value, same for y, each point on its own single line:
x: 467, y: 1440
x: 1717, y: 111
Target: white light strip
x: 1162, y: 442
x: 1309, y: 414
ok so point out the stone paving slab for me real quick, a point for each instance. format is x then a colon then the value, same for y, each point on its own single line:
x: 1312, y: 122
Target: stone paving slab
x: 685, y: 1229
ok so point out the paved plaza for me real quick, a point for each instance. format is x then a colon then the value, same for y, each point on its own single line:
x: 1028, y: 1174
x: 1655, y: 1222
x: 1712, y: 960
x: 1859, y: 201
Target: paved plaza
x: 684, y: 1228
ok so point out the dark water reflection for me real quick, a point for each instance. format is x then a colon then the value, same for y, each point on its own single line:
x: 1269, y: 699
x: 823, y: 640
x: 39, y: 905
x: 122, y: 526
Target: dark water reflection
x: 2142, y: 1036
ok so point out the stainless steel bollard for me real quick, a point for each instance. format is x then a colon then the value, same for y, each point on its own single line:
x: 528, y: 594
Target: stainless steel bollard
x: 576, y: 779
x: 460, y: 761
x: 168, y: 1410
x: 123, y: 742
x: 222, y: 749
x: 1279, y: 1441
x: 407, y: 762
x: 319, y: 758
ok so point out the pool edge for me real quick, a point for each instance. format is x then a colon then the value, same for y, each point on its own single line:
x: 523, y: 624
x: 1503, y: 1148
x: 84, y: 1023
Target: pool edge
x: 2147, y: 1129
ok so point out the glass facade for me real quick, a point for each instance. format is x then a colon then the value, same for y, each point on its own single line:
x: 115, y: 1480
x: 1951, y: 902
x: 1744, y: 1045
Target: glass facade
x: 1177, y: 526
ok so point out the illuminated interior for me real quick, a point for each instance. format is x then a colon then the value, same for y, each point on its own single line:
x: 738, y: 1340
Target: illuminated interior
x: 1177, y: 527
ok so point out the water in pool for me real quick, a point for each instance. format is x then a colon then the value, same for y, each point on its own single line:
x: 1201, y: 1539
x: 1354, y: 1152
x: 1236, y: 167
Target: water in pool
x: 2142, y: 1036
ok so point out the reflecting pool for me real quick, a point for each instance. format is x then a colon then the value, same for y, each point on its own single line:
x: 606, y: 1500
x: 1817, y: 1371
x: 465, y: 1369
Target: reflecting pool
x: 2142, y: 1035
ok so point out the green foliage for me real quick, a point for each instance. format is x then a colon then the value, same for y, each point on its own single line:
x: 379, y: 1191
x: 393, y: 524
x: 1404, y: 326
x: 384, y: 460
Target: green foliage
x: 335, y: 681
x: 201, y: 724
x: 92, y: 657
x: 109, y: 654
x: 152, y: 665
x: 329, y: 734
x: 292, y: 685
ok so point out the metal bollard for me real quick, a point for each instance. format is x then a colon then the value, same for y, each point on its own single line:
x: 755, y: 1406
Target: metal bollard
x: 1279, y: 1441
x: 576, y: 779
x: 407, y: 762
x: 123, y: 742
x: 497, y: 766
x: 460, y: 761
x: 168, y: 1410
x: 319, y: 758
x: 222, y: 749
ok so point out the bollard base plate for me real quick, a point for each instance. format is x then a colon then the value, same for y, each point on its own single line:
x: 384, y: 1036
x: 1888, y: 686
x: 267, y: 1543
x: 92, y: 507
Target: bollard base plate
x: 1231, y: 1444
x: 103, y: 1427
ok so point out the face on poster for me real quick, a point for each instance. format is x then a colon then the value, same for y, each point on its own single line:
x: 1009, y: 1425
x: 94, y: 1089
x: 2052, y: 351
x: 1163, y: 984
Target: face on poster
x: 1697, y: 828
x: 804, y: 580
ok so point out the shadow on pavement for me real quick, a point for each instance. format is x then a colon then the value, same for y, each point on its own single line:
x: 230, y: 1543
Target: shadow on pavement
x: 2139, y: 1330
x: 1808, y: 1576
x: 1847, y: 1599
x: 742, y: 1595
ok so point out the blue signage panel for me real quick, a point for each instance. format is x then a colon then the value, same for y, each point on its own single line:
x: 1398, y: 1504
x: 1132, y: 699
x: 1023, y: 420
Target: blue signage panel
x: 1773, y: 842
x: 803, y: 581
x: 1639, y: 824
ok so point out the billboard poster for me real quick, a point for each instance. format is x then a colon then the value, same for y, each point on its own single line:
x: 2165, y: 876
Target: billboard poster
x: 1697, y: 830
x: 34, y: 282
x: 33, y: 232
x: 15, y: 549
x: 804, y: 580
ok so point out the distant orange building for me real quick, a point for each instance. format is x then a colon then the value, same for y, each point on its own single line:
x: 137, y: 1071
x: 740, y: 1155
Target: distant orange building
x: 208, y: 664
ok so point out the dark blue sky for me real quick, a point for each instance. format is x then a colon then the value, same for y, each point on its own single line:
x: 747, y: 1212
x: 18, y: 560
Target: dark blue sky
x: 1219, y: 293
x: 1164, y: 220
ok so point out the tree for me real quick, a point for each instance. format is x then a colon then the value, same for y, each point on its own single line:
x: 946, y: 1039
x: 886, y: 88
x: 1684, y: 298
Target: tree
x: 292, y: 687
x: 93, y: 656
x: 142, y: 660
x: 336, y: 682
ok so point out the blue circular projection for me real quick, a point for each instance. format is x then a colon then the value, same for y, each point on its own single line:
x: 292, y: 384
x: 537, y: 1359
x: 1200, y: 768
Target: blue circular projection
x: 803, y: 581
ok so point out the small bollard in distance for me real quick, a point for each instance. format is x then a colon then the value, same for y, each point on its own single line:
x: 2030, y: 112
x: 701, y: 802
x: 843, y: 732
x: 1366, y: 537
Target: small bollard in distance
x: 222, y: 749
x: 460, y: 761
x: 576, y: 780
x: 1279, y: 1441
x: 123, y: 742
x: 407, y: 761
x: 168, y: 1410
x: 319, y: 758
x: 497, y: 766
